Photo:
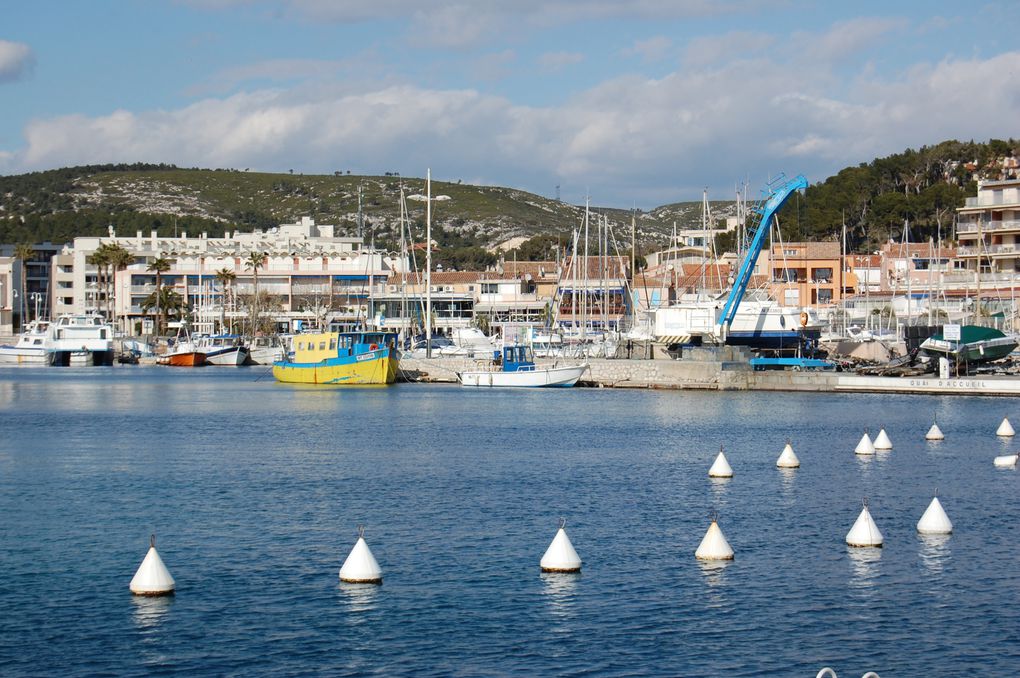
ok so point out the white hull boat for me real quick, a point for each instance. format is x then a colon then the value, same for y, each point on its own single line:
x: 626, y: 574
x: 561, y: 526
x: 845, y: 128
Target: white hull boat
x: 32, y: 347
x: 81, y: 339
x: 516, y: 368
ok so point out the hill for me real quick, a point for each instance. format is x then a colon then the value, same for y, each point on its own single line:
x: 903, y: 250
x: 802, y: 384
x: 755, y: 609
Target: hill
x: 922, y: 187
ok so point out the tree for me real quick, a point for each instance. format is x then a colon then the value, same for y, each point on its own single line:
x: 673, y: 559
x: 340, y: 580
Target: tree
x: 24, y: 252
x: 99, y: 259
x: 166, y: 301
x: 118, y: 259
x: 254, y: 262
x: 159, y: 266
x: 226, y: 278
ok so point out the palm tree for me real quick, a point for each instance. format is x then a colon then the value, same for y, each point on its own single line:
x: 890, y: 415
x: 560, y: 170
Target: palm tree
x: 24, y: 252
x: 166, y: 300
x: 226, y: 278
x: 255, y: 261
x: 159, y: 266
x: 119, y: 259
x: 101, y: 260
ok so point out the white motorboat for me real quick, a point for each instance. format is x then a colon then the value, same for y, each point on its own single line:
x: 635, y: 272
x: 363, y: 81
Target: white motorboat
x: 759, y: 323
x: 223, y: 349
x: 32, y: 347
x: 517, y: 369
x: 266, y: 350
x: 81, y: 339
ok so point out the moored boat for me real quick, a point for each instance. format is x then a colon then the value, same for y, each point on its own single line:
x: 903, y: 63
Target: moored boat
x: 223, y: 349
x: 516, y: 368
x: 342, y: 358
x: 183, y: 352
x: 32, y: 347
x: 81, y: 339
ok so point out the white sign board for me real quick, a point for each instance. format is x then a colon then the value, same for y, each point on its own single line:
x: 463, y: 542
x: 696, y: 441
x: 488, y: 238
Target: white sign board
x: 951, y: 332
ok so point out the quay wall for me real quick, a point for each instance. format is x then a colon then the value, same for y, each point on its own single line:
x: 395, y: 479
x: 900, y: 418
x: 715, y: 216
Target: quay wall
x: 719, y: 375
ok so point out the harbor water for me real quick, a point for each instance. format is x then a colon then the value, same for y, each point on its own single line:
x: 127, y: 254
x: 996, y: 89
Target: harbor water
x: 255, y: 491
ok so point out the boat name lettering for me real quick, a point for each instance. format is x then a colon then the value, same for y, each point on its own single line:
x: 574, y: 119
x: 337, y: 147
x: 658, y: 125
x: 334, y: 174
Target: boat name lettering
x: 366, y: 356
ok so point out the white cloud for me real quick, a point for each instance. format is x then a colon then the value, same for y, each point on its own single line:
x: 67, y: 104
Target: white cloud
x: 627, y: 139
x: 708, y: 50
x: 655, y: 48
x: 844, y: 39
x: 494, y: 66
x: 554, y: 61
x: 16, y: 60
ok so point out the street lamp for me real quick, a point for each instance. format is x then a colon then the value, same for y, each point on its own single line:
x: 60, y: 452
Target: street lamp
x: 36, y: 297
x: 428, y: 200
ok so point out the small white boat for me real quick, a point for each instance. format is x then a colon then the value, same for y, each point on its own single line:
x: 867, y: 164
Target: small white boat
x: 517, y: 369
x: 266, y: 350
x: 32, y: 347
x: 223, y: 349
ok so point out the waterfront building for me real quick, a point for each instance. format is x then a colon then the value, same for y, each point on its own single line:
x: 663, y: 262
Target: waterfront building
x: 989, y: 228
x: 306, y: 276
x: 7, y: 297
x: 806, y: 273
x: 32, y: 294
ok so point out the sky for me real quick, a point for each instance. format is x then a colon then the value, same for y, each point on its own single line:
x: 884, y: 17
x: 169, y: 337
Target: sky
x: 633, y: 103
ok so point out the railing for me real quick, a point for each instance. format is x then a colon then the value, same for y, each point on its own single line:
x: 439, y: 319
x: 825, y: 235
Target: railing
x: 1004, y: 225
x: 986, y: 250
x: 989, y: 201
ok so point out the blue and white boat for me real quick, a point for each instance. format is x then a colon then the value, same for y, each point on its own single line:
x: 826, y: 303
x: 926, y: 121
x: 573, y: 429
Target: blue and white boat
x: 515, y: 366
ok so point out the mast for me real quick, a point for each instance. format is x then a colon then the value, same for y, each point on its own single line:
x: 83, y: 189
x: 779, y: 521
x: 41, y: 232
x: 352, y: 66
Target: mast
x: 428, y: 263
x: 584, y: 302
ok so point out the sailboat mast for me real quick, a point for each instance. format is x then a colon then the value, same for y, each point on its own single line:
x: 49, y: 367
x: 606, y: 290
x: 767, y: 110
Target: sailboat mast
x: 428, y: 263
x: 584, y: 301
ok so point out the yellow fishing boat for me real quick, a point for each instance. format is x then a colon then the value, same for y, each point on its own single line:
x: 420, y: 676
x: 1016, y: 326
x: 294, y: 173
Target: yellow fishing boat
x: 348, y: 358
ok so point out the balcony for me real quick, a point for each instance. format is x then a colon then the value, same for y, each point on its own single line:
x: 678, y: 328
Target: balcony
x: 1008, y: 225
x: 989, y: 251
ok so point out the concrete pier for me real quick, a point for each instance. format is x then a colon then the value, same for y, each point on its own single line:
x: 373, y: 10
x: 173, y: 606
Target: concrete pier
x: 725, y: 375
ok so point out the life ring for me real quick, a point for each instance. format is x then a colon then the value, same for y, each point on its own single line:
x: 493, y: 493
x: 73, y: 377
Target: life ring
x: 803, y: 318
x: 373, y: 347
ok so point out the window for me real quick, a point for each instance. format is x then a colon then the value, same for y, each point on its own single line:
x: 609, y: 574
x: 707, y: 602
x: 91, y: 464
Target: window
x: 824, y: 296
x: 332, y: 344
x: 791, y: 253
x: 490, y: 288
x: 792, y: 298
x: 823, y: 274
x: 322, y: 346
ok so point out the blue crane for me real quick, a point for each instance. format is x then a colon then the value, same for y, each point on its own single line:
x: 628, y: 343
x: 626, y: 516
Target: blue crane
x: 773, y: 197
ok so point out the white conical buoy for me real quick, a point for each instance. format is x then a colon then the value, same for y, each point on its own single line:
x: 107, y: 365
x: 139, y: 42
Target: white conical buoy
x: 935, y: 520
x: 714, y: 545
x: 720, y: 468
x: 1006, y: 461
x: 882, y: 441
x: 865, y: 446
x: 361, y: 566
x: 561, y: 556
x: 1005, y: 429
x: 152, y: 577
x: 864, y: 532
x: 934, y: 433
x: 788, y: 459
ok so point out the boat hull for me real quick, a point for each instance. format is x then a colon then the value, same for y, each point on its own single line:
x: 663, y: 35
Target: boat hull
x: 377, y: 367
x: 189, y: 359
x: 231, y: 357
x: 11, y: 355
x: 562, y: 377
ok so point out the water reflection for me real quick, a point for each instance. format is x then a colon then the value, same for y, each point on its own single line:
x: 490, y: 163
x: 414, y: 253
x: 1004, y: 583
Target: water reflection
x: 864, y: 563
x: 719, y: 487
x: 865, y: 461
x: 714, y: 573
x: 360, y: 599
x: 151, y: 611
x: 560, y: 591
x: 787, y: 476
x: 934, y: 551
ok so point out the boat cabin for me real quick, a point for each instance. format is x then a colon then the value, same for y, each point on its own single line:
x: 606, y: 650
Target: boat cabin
x: 517, y: 359
x: 313, y: 348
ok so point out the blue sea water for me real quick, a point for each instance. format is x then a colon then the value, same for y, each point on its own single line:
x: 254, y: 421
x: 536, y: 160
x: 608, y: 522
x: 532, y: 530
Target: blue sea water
x: 256, y: 490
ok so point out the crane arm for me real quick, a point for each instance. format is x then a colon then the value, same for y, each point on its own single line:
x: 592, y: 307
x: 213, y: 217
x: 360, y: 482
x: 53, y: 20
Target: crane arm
x: 774, y: 196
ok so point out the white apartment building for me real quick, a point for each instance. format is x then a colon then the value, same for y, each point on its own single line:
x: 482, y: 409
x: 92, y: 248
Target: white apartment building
x: 309, y: 275
x: 989, y: 228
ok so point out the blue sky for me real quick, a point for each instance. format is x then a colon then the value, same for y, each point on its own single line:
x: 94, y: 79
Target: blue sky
x: 634, y: 102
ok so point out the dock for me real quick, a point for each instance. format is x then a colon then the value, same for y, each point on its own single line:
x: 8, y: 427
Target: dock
x: 726, y: 375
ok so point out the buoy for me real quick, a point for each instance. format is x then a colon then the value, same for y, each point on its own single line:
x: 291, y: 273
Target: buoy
x: 882, y: 441
x: 788, y: 459
x: 361, y: 566
x: 152, y: 577
x: 1006, y: 461
x: 864, y: 532
x: 935, y: 520
x: 561, y: 556
x: 720, y: 468
x: 934, y: 433
x: 865, y: 446
x: 1005, y: 429
x: 714, y: 545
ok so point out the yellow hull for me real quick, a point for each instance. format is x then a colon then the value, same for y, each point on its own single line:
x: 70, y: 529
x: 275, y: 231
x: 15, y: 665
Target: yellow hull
x: 381, y: 370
